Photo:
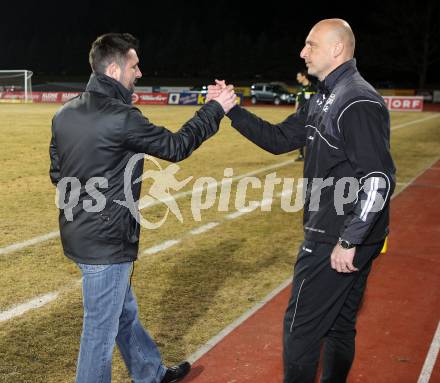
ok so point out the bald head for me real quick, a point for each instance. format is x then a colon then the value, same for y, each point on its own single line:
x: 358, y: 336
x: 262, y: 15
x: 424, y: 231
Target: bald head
x: 338, y: 31
x: 329, y: 44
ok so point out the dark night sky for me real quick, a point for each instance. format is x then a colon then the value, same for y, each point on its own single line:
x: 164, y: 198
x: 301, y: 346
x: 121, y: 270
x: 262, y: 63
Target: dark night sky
x: 235, y: 40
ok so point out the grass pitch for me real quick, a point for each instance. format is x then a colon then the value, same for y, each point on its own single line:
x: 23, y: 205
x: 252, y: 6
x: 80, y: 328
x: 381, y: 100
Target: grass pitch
x: 186, y: 294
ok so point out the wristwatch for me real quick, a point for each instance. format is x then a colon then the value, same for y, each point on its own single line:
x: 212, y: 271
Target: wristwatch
x: 345, y: 244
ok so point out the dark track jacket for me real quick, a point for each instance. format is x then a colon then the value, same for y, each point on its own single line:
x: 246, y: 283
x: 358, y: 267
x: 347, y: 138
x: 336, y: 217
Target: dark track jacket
x: 346, y: 130
x: 95, y: 135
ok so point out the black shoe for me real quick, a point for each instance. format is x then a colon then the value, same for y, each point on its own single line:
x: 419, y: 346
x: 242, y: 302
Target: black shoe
x: 176, y: 373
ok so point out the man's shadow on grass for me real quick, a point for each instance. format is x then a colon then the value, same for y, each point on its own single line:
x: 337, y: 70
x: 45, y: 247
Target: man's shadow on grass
x: 193, y: 284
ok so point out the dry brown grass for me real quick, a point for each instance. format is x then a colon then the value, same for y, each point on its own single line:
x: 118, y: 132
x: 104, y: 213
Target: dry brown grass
x: 186, y: 294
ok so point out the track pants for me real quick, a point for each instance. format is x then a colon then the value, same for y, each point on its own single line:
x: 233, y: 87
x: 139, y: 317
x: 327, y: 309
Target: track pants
x: 322, y: 311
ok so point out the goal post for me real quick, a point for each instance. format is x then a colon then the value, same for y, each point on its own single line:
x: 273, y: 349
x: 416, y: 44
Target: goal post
x: 16, y: 85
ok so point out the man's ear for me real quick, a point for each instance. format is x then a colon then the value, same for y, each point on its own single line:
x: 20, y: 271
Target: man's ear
x: 114, y: 71
x: 338, y: 49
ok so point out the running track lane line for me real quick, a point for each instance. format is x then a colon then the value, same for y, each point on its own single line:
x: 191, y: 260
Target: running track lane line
x: 429, y: 364
x: 54, y: 234
x: 396, y: 323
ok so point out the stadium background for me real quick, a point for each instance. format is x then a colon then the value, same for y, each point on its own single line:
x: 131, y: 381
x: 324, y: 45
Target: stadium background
x: 210, y: 276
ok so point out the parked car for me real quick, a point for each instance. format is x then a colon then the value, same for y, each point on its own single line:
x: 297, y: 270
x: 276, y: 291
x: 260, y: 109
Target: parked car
x: 203, y: 89
x: 270, y: 92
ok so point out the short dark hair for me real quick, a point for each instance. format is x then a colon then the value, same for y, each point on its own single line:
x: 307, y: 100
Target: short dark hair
x: 303, y: 72
x: 111, y: 47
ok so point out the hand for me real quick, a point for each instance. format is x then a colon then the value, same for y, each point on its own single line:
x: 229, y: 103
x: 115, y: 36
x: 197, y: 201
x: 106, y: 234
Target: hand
x: 226, y: 98
x: 215, y: 90
x: 342, y: 259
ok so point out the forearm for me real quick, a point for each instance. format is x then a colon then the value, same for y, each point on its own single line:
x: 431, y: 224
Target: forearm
x: 144, y: 137
x: 274, y: 138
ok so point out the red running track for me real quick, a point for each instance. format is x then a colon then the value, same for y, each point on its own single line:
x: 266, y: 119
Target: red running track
x: 396, y: 323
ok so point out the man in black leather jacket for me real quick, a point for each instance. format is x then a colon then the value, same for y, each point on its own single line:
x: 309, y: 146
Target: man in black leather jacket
x: 94, y: 136
x: 346, y: 130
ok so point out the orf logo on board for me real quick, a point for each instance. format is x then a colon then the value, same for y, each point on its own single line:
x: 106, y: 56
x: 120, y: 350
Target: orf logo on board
x: 404, y: 103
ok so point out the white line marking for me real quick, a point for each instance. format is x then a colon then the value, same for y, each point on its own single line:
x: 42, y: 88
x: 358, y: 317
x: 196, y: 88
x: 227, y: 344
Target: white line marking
x: 30, y: 305
x: 30, y: 242
x: 161, y: 246
x: 227, y: 330
x: 241, y: 212
x: 415, y: 121
x: 249, y: 209
x: 23, y: 308
x: 55, y: 234
x: 431, y: 357
x: 204, y: 228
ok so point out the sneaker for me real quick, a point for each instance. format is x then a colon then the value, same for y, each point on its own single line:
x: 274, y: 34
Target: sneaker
x: 176, y: 373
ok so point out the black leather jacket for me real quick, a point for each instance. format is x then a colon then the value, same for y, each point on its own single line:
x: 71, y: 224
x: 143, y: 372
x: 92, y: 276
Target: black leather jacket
x: 346, y: 130
x: 95, y: 135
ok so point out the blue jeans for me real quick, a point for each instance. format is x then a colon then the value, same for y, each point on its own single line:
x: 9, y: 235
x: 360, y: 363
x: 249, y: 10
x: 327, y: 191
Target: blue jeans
x: 111, y: 315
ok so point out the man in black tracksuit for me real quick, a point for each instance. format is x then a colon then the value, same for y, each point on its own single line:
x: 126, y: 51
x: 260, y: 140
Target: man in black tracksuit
x: 306, y: 90
x: 348, y: 155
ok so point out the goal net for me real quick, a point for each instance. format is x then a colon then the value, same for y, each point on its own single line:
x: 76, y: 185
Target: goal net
x: 16, y: 85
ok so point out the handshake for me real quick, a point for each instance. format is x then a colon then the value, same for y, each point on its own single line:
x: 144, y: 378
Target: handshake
x: 223, y: 94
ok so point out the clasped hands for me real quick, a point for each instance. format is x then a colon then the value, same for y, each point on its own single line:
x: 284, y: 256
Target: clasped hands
x: 223, y: 94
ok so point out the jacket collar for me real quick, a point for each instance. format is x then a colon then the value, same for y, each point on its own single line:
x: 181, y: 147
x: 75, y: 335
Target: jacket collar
x: 326, y: 86
x: 101, y: 83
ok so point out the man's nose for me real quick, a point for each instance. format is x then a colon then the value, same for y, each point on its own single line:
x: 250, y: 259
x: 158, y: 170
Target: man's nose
x: 138, y: 73
x: 303, y: 53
